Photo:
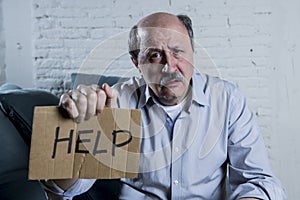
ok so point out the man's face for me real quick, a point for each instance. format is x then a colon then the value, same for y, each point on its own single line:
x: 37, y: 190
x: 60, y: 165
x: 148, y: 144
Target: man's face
x: 166, y: 62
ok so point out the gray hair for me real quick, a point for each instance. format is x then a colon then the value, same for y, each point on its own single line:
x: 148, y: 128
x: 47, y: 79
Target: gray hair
x: 134, y: 38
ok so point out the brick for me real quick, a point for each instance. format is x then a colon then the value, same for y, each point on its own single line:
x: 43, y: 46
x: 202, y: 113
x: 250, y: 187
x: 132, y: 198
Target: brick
x: 98, y: 33
x: 234, y: 31
x: 48, y: 83
x: 59, y: 53
x: 99, y: 12
x: 45, y: 23
x: 50, y: 64
x: 40, y: 53
x: 78, y: 53
x: 48, y: 43
x: 250, y: 41
x: 243, y: 51
x: 60, y: 33
x: 79, y: 4
x: 85, y: 22
x: 125, y: 21
x: 80, y: 43
x: 214, y: 21
x: 72, y: 65
x: 60, y: 13
x: 68, y: 13
x: 239, y: 3
x: 37, y: 4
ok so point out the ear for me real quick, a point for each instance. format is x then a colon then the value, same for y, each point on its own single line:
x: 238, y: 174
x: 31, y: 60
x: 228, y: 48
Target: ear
x: 134, y: 61
x: 136, y: 64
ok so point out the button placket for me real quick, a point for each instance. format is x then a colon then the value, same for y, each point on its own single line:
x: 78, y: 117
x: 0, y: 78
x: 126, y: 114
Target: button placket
x: 176, y: 164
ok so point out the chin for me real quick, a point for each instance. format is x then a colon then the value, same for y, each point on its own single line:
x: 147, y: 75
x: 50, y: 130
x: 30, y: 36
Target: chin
x: 168, y: 99
x: 168, y: 102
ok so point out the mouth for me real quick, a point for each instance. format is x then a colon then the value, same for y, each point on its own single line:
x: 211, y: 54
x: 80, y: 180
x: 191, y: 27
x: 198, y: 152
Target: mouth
x: 171, y: 80
x: 170, y: 83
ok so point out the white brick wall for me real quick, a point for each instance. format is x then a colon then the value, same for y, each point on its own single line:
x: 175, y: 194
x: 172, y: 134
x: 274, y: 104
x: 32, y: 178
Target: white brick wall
x: 2, y: 48
x: 235, y: 33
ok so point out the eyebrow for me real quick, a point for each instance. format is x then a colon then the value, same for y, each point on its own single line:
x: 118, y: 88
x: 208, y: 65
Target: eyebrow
x: 174, y: 47
x: 149, y: 49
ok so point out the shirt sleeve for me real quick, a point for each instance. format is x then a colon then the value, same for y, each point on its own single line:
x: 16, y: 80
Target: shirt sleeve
x: 54, y: 192
x: 250, y: 173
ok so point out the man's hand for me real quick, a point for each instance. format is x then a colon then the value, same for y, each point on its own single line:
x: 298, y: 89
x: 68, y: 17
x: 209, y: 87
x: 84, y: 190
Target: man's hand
x: 87, y: 101
x: 83, y: 103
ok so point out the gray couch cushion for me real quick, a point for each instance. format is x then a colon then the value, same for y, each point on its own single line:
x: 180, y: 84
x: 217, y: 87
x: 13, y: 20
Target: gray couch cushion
x: 18, y: 105
x: 16, y: 113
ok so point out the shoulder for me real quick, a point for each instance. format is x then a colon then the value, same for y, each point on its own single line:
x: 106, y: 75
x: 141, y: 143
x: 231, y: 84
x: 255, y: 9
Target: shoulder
x: 209, y: 83
x: 217, y: 88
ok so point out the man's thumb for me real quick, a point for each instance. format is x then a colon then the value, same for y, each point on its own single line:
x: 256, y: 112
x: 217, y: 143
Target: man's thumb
x: 111, y: 95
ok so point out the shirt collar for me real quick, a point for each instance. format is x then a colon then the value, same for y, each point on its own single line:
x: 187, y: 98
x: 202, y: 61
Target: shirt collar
x: 144, y: 94
x: 198, y: 88
x: 198, y: 94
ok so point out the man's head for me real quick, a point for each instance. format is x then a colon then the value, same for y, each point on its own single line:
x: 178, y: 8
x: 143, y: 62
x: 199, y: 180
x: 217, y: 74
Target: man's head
x: 161, y: 46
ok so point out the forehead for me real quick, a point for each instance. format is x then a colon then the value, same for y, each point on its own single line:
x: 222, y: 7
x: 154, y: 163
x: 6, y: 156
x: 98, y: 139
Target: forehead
x: 156, y: 36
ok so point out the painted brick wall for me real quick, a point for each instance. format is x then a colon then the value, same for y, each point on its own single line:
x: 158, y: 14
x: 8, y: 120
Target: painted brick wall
x: 2, y: 48
x: 235, y: 33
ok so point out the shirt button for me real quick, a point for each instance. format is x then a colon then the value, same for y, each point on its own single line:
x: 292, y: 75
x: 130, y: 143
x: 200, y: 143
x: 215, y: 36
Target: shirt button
x: 176, y: 149
x: 176, y: 182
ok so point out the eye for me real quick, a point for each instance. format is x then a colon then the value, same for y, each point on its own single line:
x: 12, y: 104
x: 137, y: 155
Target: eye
x: 176, y: 52
x: 155, y: 56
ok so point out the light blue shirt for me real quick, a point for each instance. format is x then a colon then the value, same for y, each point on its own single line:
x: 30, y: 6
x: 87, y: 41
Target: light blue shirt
x: 188, y: 158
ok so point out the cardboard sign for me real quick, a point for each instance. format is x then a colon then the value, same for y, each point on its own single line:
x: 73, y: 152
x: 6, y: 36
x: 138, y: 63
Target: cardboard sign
x: 104, y: 147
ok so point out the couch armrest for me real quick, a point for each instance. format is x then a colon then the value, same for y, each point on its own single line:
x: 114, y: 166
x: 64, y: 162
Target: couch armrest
x: 16, y: 114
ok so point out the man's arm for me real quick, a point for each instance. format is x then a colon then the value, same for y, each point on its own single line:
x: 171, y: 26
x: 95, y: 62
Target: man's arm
x: 65, y: 183
x: 56, y: 192
x: 250, y: 173
x: 249, y: 199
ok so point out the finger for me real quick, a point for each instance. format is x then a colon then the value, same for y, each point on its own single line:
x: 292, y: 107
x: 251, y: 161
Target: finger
x: 101, y: 99
x: 91, y: 100
x: 111, y: 95
x: 81, y: 104
x: 69, y: 105
x: 94, y: 87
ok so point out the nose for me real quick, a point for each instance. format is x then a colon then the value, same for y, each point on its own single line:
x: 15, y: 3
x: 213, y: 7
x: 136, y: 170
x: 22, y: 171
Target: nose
x: 170, y: 64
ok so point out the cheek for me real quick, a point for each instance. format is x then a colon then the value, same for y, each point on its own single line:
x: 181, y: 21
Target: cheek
x: 150, y: 73
x: 187, y: 70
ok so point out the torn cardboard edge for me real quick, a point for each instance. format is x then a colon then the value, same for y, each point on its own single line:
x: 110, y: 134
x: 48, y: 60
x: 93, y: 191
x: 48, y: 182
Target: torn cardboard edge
x: 105, y: 147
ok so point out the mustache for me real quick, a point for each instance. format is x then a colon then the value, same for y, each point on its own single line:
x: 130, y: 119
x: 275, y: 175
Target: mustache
x: 169, y: 77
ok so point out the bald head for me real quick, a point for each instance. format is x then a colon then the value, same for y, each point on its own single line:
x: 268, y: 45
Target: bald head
x: 178, y: 23
x: 159, y: 20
